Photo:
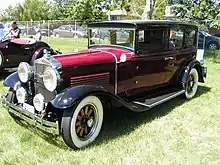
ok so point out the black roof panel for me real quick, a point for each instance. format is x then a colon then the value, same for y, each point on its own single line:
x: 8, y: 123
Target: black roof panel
x: 138, y: 23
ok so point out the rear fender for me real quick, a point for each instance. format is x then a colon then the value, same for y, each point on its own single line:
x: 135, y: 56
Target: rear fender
x: 192, y: 64
x: 13, y: 81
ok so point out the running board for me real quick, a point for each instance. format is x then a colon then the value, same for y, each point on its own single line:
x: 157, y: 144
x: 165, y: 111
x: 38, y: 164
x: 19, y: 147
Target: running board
x: 152, y: 102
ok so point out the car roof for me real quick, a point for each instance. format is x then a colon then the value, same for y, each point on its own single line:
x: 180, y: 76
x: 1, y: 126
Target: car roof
x: 139, y: 23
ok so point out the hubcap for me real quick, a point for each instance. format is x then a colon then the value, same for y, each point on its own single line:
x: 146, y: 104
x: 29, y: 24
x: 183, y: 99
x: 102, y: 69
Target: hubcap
x: 212, y: 46
x: 86, y: 121
x: 190, y: 84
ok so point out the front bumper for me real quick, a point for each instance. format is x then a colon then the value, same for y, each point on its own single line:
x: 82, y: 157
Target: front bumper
x: 44, y: 125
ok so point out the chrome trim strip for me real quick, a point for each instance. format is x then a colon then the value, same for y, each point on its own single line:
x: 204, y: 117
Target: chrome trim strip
x: 161, y: 101
x: 47, y: 126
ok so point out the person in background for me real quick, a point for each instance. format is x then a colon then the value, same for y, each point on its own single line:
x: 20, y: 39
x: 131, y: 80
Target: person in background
x: 38, y: 36
x: 15, y: 31
x: 172, y: 43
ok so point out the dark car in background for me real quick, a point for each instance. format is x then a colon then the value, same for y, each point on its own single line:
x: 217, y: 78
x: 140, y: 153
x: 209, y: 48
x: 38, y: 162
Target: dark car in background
x: 70, y: 31
x: 35, y: 29
x: 14, y: 51
x: 1, y: 30
x: 211, y: 42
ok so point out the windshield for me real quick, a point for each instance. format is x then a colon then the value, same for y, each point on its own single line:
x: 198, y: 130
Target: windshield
x: 109, y: 36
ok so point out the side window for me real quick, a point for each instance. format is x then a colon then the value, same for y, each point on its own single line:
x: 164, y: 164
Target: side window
x: 151, y: 39
x: 141, y: 36
x: 176, y: 38
x: 190, y: 38
x: 62, y: 27
x: 67, y: 28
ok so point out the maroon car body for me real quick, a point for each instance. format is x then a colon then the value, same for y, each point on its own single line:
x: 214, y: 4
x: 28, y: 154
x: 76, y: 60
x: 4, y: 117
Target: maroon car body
x: 142, y: 64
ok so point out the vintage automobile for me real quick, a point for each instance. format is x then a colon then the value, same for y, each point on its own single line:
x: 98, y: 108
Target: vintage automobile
x: 14, y: 51
x: 68, y: 94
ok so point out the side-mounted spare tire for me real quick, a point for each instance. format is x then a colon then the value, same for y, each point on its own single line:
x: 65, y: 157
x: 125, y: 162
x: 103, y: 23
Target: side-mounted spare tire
x: 82, y: 123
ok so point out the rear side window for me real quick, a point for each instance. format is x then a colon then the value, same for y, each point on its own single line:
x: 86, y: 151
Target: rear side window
x: 176, y: 38
x: 190, y: 38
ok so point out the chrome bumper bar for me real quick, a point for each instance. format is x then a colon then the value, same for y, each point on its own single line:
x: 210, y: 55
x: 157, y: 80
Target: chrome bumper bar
x: 47, y: 126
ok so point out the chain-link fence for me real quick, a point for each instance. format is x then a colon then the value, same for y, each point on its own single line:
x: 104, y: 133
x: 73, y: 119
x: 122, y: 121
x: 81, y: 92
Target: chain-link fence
x: 63, y: 35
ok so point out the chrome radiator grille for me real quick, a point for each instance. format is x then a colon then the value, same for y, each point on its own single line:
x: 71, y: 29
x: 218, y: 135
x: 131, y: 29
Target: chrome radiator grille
x: 38, y: 71
x: 39, y: 68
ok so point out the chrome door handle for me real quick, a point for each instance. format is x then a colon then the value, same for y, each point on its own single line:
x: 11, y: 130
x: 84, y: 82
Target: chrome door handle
x: 168, y: 58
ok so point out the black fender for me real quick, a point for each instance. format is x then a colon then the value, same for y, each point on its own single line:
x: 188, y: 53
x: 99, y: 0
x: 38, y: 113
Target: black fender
x: 12, y: 81
x: 185, y: 72
x: 70, y: 96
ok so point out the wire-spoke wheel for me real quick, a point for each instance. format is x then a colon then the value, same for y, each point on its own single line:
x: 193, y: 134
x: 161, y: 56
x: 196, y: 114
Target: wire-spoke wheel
x: 82, y: 125
x: 192, y: 84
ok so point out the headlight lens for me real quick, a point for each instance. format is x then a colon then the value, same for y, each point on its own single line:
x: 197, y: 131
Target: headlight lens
x: 21, y: 95
x: 50, y: 78
x: 24, y: 71
x: 38, y: 102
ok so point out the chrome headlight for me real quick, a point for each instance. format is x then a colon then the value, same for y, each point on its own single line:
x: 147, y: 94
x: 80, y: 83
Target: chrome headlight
x: 21, y: 95
x: 25, y: 72
x: 50, y: 78
x: 38, y: 102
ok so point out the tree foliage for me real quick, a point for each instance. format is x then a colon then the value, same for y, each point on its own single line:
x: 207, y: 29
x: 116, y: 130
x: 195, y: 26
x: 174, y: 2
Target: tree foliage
x: 202, y: 10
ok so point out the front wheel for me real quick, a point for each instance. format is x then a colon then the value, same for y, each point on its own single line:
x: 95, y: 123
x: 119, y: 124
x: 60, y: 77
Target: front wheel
x: 81, y: 125
x: 192, y: 84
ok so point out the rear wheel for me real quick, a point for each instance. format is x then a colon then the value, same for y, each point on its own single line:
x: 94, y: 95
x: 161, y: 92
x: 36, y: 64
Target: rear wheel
x: 81, y: 125
x: 212, y: 46
x: 192, y: 84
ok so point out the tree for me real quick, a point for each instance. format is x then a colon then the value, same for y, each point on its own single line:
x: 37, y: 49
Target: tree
x: 30, y: 10
x: 201, y: 10
x: 88, y: 10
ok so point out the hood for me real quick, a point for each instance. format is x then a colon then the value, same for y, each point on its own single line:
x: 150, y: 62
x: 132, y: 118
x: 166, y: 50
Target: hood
x: 95, y: 55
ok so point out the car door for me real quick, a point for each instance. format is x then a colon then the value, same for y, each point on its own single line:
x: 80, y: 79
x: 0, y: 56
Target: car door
x: 68, y: 31
x: 148, y: 69
x: 62, y: 31
x: 183, y: 51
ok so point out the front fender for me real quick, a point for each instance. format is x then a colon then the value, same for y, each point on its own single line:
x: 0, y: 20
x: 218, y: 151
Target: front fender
x: 192, y: 64
x: 12, y: 81
x: 70, y: 96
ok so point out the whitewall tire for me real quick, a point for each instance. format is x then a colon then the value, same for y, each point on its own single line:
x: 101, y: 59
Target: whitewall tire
x: 82, y: 124
x: 192, y: 84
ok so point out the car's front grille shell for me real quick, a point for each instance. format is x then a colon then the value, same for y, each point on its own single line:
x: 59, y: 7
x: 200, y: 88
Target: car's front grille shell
x: 39, y: 68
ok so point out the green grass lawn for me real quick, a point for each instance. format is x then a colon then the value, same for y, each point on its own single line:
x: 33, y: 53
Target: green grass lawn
x: 67, y: 44
x: 176, y: 132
